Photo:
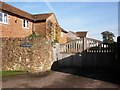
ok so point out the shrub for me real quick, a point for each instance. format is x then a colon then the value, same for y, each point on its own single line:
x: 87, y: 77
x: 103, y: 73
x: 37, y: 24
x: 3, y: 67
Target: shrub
x: 34, y: 35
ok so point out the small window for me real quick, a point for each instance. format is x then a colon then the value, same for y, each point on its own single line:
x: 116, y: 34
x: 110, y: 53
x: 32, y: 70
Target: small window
x: 25, y: 23
x: 3, y: 18
x: 0, y: 16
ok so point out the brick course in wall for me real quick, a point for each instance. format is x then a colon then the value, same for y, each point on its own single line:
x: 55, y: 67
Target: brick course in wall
x: 63, y: 38
x: 40, y: 28
x: 14, y: 28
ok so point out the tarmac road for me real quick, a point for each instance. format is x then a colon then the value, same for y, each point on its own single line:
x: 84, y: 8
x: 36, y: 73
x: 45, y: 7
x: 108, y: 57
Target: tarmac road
x: 55, y: 80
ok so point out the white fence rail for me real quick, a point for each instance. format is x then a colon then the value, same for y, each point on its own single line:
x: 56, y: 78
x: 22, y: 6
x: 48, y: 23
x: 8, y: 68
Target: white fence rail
x: 86, y: 44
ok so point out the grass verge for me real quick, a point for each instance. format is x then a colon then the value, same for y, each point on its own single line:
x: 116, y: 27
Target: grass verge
x: 10, y: 73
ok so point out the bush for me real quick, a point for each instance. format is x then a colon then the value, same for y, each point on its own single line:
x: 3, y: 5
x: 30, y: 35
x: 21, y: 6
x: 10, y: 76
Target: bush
x: 56, y: 41
x: 34, y: 35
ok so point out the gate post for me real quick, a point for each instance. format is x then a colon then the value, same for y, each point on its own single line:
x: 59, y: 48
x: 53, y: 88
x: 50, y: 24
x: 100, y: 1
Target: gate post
x: 84, y: 43
x: 84, y: 54
x: 56, y: 51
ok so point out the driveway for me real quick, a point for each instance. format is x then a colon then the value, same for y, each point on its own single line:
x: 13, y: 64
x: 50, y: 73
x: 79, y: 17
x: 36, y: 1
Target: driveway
x: 55, y: 80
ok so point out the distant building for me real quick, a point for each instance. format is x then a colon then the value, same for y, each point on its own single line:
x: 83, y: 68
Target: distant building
x: 63, y: 36
x: 76, y: 35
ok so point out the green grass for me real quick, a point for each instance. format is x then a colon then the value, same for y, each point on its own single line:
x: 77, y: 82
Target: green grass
x: 10, y: 73
x: 14, y: 73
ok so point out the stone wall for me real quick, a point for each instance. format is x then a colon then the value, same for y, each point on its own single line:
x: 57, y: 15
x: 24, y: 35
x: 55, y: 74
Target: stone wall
x: 37, y: 58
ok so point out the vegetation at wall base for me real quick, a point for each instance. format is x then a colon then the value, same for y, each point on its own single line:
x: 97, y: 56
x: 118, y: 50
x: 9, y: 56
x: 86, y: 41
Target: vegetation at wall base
x: 14, y: 73
x: 56, y: 41
x: 34, y: 35
x: 11, y: 73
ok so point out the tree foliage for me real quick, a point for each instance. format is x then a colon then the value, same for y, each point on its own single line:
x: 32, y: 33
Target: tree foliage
x: 108, y: 37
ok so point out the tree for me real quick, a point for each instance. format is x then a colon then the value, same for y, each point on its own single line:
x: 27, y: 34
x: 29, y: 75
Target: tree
x: 108, y: 37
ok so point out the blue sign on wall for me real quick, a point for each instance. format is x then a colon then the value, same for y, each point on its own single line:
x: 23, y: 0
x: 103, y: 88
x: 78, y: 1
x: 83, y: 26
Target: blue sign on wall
x: 26, y: 45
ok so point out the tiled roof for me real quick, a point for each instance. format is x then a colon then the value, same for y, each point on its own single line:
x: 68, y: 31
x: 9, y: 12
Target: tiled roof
x: 12, y: 10
x: 63, y: 30
x: 38, y: 17
x: 20, y: 13
x: 81, y: 34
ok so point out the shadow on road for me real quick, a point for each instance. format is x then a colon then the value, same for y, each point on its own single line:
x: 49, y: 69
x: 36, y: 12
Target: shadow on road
x: 99, y: 62
x: 109, y: 75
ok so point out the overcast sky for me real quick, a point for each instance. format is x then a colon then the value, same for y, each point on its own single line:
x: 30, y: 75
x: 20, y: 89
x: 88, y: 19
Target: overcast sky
x: 94, y: 17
